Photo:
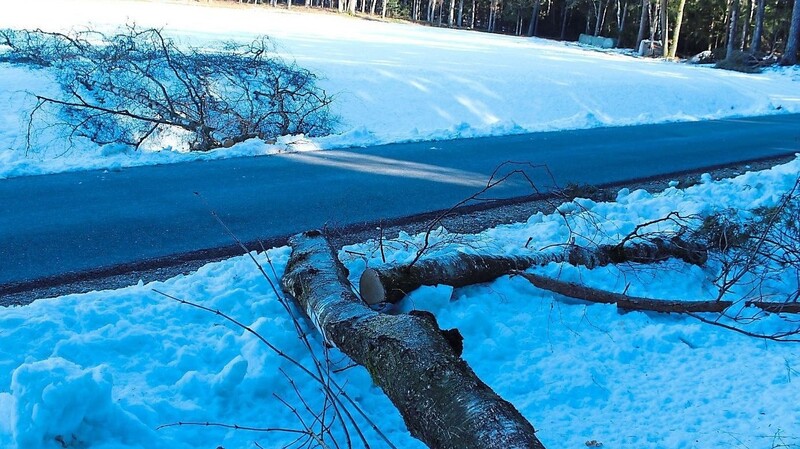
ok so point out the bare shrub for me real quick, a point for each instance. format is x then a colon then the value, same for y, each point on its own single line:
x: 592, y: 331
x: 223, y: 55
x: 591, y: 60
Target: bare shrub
x: 761, y: 254
x: 138, y: 84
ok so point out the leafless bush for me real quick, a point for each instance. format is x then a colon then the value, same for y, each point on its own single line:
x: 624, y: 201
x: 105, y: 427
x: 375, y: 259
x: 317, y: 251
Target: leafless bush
x: 138, y: 84
x: 759, y: 253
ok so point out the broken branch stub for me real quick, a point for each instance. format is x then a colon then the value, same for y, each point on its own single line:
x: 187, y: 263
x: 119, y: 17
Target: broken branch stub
x: 442, y: 401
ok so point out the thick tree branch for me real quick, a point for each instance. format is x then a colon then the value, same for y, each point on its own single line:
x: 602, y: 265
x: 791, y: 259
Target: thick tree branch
x: 391, y: 283
x: 85, y: 105
x: 442, y: 401
x: 622, y: 301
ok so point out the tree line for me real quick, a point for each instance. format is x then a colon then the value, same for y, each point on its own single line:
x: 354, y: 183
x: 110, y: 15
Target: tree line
x: 759, y: 27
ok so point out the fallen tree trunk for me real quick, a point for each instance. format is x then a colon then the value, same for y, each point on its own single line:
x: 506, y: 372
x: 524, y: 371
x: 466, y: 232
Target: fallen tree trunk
x: 442, y: 401
x: 622, y: 301
x: 391, y: 283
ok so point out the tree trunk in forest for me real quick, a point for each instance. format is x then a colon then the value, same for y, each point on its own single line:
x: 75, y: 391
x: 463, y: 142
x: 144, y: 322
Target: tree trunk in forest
x: 492, y: 12
x: 383, y: 8
x: 673, y: 48
x: 589, y: 14
x: 493, y: 20
x: 451, y: 17
x: 653, y: 13
x: 442, y: 401
x: 597, y: 6
x: 460, y: 13
x: 588, y: 23
x: 758, y: 29
x: 790, y: 54
x: 601, y: 21
x: 352, y: 7
x: 732, y: 29
x: 665, y: 27
x: 564, y: 19
x: 391, y: 283
x: 746, y: 24
x: 621, y: 21
x: 722, y: 32
x: 472, y: 16
x: 534, y: 18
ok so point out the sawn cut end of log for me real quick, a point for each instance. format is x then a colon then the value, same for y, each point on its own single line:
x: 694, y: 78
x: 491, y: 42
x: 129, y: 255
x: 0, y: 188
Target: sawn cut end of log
x: 417, y: 365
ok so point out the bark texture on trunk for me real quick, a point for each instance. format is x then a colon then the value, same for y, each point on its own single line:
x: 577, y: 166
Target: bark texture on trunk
x: 534, y: 18
x: 731, y: 44
x: 624, y: 302
x: 665, y: 27
x: 793, y: 42
x: 755, y: 45
x: 673, y: 47
x: 418, y: 366
x: 391, y: 283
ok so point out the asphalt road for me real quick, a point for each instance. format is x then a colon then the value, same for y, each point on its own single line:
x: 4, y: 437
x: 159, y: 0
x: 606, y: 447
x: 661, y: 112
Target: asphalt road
x: 54, y: 226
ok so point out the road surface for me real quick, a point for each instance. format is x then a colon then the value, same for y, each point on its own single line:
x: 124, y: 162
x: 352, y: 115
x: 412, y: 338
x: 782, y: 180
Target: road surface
x: 54, y: 226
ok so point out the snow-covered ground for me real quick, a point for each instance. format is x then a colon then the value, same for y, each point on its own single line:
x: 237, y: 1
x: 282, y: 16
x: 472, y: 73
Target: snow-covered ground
x: 396, y: 82
x: 105, y: 369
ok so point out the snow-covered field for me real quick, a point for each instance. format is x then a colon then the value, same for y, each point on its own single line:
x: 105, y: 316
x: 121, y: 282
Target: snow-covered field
x: 105, y: 369
x: 397, y: 82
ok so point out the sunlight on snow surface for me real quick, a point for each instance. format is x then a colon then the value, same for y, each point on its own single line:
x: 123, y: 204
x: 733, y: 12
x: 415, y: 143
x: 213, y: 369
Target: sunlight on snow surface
x: 106, y: 368
x: 396, y: 82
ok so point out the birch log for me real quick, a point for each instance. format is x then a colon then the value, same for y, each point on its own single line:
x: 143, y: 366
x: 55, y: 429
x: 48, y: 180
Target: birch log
x: 442, y: 401
x: 391, y: 283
